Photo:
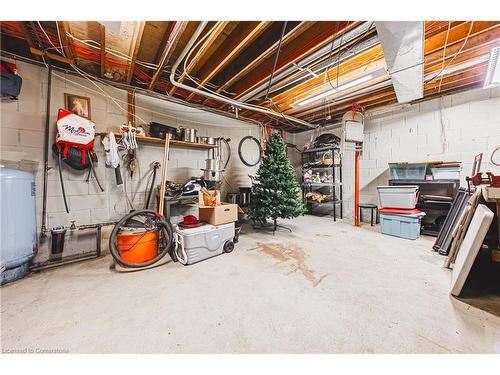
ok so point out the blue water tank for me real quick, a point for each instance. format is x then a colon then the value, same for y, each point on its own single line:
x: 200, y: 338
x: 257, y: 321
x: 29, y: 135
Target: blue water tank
x: 18, y: 237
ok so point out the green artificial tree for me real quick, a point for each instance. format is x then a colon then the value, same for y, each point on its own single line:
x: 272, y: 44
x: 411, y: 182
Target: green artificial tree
x: 276, y: 194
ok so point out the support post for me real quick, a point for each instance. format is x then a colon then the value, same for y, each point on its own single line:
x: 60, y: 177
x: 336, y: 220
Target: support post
x: 43, y: 228
x: 357, y: 156
x: 163, y: 178
x: 131, y: 107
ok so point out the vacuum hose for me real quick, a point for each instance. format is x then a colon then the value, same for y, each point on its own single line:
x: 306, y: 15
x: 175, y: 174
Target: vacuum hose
x: 59, y: 162
x: 145, y: 220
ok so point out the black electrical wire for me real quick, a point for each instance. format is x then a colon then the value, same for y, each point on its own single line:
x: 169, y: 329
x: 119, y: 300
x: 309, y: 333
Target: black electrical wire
x: 276, y: 59
x: 337, y: 62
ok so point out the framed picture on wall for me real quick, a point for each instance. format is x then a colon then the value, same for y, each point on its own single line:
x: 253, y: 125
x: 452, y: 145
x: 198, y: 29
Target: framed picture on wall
x: 79, y: 105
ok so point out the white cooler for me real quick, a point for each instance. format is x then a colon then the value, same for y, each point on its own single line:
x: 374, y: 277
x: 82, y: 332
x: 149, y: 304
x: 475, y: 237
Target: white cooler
x: 196, y: 244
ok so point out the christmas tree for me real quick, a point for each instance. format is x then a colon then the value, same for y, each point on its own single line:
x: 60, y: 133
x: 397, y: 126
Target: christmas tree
x: 276, y: 194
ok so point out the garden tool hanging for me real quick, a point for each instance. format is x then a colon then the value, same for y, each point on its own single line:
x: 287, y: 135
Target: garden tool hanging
x: 74, y: 145
x: 112, y: 157
x: 129, y: 143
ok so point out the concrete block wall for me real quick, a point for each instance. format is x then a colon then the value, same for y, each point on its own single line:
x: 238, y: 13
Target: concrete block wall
x: 22, y: 126
x: 452, y: 128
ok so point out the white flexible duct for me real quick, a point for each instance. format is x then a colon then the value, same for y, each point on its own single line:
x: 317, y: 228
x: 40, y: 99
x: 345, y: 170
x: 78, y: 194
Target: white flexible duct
x: 221, y: 98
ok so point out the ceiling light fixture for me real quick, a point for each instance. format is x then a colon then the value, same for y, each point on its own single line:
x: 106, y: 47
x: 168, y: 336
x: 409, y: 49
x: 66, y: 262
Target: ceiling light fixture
x: 493, y: 73
x: 334, y: 90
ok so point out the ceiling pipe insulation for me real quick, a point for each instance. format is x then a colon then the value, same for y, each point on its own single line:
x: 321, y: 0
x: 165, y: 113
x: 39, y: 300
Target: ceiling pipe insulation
x: 219, y: 97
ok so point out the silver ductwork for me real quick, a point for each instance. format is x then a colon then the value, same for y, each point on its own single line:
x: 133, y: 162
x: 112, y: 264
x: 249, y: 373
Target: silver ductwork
x: 403, y: 46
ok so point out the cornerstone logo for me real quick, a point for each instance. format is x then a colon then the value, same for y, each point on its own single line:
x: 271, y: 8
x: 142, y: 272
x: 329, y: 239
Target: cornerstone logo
x: 34, y: 351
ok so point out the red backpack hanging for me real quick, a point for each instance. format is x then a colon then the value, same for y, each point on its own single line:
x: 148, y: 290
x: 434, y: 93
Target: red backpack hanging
x: 74, y: 143
x: 75, y: 136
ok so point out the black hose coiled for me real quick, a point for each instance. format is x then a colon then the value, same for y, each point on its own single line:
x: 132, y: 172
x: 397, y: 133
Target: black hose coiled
x: 155, y: 221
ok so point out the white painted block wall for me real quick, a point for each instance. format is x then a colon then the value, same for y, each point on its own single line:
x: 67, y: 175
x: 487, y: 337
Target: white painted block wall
x: 453, y: 128
x: 22, y: 126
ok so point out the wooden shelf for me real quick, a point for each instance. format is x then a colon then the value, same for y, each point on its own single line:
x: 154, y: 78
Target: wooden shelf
x: 322, y: 166
x: 316, y: 184
x: 173, y: 142
x: 319, y: 149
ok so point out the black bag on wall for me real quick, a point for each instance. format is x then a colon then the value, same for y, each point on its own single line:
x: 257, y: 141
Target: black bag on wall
x: 74, y: 158
x: 10, y: 84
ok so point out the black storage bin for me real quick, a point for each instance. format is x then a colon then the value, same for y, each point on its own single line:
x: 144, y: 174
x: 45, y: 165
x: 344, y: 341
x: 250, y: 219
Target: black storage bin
x: 58, y: 235
x: 158, y: 130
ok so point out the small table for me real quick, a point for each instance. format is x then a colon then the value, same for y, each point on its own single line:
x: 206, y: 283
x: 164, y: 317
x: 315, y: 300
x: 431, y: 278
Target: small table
x: 372, y: 207
x: 183, y: 200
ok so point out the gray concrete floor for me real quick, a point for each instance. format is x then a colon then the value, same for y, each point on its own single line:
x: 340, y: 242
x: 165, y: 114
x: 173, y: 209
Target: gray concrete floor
x: 325, y: 288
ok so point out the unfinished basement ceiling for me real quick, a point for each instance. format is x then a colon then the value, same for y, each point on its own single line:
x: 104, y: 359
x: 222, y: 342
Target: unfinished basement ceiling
x: 281, y: 65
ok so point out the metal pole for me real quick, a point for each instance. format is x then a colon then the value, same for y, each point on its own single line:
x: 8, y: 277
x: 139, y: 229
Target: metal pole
x: 356, y: 187
x: 43, y: 229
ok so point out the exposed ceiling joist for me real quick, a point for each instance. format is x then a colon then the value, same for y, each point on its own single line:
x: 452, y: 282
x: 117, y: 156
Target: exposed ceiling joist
x: 172, y: 41
x: 134, y: 49
x: 331, y: 78
x: 269, y: 51
x: 52, y: 56
x: 217, y: 29
x: 295, y: 57
x: 102, y: 52
x: 64, y: 30
x: 240, y: 60
x: 27, y: 34
x: 457, y: 33
x: 250, y: 31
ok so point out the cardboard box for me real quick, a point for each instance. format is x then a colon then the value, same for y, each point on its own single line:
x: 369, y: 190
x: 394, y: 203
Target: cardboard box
x: 223, y: 214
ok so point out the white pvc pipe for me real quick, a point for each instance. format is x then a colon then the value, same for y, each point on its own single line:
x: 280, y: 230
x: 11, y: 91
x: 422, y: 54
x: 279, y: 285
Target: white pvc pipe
x: 221, y: 98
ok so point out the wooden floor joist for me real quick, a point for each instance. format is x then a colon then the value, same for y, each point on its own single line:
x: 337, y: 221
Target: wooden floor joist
x: 172, y: 41
x: 134, y: 49
x: 102, y: 35
x: 237, y: 59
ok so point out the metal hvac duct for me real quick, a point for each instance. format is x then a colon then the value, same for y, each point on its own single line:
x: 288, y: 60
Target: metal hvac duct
x: 403, y: 45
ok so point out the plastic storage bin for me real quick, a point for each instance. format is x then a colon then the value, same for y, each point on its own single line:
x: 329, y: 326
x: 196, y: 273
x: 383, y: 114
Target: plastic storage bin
x: 446, y: 173
x: 404, y: 226
x: 405, y: 196
x: 408, y: 171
